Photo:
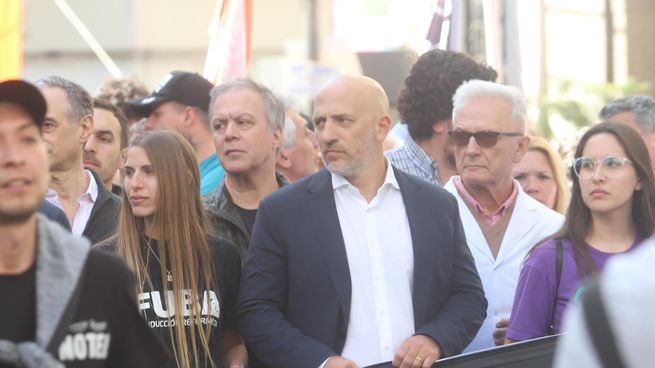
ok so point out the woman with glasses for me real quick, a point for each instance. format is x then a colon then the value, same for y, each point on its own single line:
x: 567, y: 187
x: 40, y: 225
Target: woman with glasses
x: 611, y: 211
x: 187, y: 281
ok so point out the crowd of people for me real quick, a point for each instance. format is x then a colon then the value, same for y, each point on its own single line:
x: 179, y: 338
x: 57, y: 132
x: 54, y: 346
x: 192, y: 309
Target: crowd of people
x: 220, y: 226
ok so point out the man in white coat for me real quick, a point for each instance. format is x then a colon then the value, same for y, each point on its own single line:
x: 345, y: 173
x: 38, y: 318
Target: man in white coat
x: 501, y: 222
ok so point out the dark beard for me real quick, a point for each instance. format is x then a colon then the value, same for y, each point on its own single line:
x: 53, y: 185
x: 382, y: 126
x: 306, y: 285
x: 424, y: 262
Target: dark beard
x: 17, y: 218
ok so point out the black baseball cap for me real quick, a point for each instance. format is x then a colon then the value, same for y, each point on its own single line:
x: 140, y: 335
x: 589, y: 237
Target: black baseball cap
x: 182, y: 87
x: 27, y: 96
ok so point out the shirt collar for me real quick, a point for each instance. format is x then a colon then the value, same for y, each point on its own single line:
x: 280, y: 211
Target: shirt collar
x: 489, y: 218
x: 422, y: 159
x: 339, y: 181
x: 51, y: 193
x: 91, y: 190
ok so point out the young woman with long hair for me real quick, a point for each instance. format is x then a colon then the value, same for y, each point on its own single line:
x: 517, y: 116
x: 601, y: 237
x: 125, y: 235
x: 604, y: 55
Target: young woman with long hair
x: 612, y: 210
x: 187, y: 281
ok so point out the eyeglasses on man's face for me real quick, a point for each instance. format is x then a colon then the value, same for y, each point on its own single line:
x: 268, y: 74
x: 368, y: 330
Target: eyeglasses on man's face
x: 485, y: 138
x: 585, y: 167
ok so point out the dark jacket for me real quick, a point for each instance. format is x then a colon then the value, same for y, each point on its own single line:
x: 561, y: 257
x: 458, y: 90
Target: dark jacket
x: 224, y: 219
x: 55, y: 214
x: 104, y: 215
x: 295, y: 294
x: 117, y: 189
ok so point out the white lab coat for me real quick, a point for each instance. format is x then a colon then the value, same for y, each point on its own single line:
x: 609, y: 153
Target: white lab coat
x: 531, y: 222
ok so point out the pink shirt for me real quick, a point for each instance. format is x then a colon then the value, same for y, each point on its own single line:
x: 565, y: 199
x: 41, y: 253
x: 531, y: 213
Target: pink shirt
x: 86, y: 202
x: 489, y: 218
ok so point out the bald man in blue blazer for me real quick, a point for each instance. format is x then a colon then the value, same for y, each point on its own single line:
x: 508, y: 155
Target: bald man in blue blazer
x: 359, y: 263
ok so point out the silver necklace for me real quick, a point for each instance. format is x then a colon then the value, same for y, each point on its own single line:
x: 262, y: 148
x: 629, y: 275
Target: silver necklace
x: 169, y: 275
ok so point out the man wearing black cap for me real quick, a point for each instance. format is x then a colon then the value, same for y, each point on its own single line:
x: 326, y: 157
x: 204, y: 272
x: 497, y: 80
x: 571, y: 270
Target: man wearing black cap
x: 180, y: 103
x: 59, y: 307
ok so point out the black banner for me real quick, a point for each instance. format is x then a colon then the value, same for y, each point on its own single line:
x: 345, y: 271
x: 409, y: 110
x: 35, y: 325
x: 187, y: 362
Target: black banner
x: 536, y: 353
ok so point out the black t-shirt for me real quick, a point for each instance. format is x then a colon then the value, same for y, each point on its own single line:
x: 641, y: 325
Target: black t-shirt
x: 248, y: 217
x: 218, y: 306
x: 18, y: 306
x: 103, y: 328
x: 108, y: 315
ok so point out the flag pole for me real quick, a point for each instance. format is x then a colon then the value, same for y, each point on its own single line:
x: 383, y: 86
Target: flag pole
x: 91, y: 41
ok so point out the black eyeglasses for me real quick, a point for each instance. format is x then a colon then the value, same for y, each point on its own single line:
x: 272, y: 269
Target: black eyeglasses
x: 485, y: 138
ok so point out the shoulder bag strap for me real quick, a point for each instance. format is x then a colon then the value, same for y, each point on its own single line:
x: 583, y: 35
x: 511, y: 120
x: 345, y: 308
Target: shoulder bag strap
x: 559, y: 255
x: 600, y: 331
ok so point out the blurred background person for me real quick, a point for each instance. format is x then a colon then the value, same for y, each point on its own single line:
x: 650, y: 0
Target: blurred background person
x: 104, y: 151
x: 541, y: 175
x: 627, y: 294
x: 638, y: 112
x: 163, y: 237
x: 612, y: 210
x: 298, y: 157
x: 120, y: 91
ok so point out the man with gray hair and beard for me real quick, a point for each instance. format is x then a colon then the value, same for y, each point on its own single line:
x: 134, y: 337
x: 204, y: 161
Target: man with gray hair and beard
x: 247, y: 120
x: 359, y: 263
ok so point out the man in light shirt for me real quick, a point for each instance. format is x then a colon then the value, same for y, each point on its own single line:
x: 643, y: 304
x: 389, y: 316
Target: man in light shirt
x: 91, y: 209
x: 360, y: 263
x: 502, y: 223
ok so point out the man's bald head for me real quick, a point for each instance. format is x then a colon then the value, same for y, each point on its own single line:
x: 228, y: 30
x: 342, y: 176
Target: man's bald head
x: 362, y: 89
x: 352, y: 120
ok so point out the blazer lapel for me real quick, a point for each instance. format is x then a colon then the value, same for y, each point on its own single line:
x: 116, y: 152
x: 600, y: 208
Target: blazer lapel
x: 522, y: 221
x: 474, y: 236
x: 423, y: 243
x: 103, y: 195
x: 328, y: 230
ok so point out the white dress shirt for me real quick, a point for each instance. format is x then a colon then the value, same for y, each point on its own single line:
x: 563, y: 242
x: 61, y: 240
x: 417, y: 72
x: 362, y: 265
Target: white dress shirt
x: 381, y: 261
x: 86, y: 202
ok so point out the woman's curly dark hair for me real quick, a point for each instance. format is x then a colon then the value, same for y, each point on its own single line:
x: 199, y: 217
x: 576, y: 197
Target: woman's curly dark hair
x: 429, y: 88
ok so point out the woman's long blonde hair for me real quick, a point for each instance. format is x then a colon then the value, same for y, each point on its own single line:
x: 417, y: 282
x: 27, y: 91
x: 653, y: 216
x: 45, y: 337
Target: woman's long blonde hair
x: 541, y: 145
x: 180, y: 230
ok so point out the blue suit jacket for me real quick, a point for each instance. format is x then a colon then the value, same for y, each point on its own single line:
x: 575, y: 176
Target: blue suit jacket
x: 55, y: 214
x: 294, y: 301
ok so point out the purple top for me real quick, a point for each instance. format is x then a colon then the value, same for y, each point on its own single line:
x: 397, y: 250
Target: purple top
x: 535, y: 292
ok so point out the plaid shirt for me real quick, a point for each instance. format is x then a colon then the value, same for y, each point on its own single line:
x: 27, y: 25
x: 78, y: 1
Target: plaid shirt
x: 411, y: 159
